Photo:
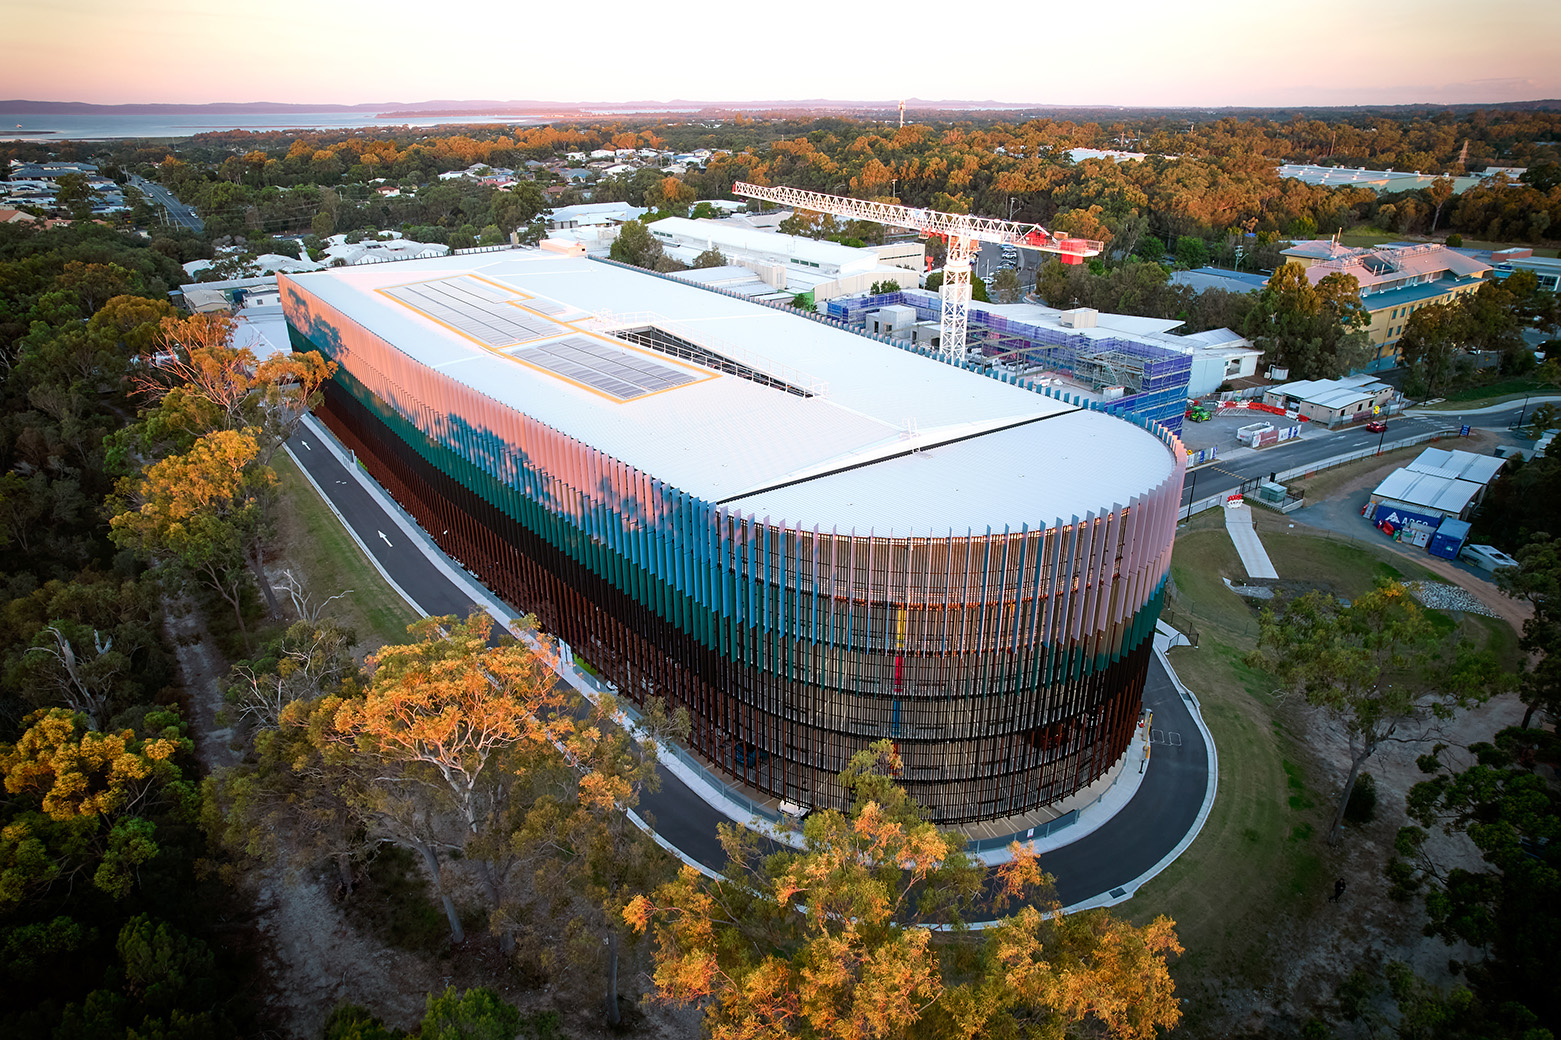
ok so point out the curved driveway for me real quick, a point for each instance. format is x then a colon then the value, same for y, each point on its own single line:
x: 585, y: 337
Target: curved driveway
x: 1103, y: 867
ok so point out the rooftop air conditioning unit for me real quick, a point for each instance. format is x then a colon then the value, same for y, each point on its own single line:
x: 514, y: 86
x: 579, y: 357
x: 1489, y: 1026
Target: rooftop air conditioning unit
x: 1078, y: 318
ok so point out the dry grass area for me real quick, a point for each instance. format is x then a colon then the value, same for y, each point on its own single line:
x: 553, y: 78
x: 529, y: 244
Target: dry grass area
x: 1266, y: 951
x: 1368, y: 473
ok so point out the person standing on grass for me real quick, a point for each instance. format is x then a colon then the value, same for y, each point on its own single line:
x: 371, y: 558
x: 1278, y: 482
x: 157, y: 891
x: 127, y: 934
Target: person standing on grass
x: 1339, y: 886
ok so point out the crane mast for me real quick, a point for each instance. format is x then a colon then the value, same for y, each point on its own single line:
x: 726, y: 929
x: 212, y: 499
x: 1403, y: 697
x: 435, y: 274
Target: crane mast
x: 961, y: 231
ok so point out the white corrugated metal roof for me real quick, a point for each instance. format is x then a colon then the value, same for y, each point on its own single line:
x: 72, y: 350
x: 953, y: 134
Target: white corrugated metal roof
x: 1445, y: 494
x: 729, y: 438
x: 726, y: 235
x: 1459, y: 465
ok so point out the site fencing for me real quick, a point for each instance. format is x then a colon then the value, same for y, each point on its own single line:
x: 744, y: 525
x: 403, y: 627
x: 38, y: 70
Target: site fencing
x: 1355, y: 456
x: 1193, y: 508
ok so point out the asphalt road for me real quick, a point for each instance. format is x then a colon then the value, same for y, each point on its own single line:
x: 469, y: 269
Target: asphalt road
x: 1115, y: 855
x: 1223, y: 477
x: 178, y: 212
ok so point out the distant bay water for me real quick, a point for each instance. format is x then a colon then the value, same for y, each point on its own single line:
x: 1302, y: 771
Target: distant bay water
x: 111, y: 127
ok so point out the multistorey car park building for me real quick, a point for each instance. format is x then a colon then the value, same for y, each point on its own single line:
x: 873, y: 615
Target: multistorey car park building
x: 811, y: 539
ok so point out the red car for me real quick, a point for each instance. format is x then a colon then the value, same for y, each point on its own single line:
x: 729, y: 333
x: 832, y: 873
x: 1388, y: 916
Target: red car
x: 1376, y: 426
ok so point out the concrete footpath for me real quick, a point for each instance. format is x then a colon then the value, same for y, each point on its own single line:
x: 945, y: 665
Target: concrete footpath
x: 1505, y: 406
x: 1238, y: 521
x: 1145, y: 816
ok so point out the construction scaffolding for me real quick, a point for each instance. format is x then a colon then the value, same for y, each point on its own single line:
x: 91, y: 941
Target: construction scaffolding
x: 1151, y: 380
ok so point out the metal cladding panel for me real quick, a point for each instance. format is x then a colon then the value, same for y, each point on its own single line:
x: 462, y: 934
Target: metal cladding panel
x: 1007, y: 664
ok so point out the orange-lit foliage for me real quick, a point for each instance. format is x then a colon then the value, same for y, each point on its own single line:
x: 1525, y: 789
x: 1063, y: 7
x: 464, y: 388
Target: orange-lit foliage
x: 847, y: 939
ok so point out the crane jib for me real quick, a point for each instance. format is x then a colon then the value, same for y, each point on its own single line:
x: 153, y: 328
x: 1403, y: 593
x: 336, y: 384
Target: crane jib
x: 963, y: 232
x: 932, y: 222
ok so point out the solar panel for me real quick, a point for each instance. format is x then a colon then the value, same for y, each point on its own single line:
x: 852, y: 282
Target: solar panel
x: 605, y: 366
x: 474, y: 308
x: 548, y: 307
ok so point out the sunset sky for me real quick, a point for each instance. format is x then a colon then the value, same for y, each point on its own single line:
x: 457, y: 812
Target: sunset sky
x: 1196, y: 52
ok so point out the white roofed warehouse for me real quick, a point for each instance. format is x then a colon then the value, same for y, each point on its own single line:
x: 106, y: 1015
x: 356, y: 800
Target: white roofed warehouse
x: 810, y: 539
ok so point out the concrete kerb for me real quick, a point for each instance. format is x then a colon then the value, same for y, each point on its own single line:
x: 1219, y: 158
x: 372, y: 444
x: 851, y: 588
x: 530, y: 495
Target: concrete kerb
x: 1356, y: 456
x: 500, y: 612
x: 408, y: 527
x: 1162, y: 644
x: 1091, y: 817
x: 1193, y: 508
x: 349, y: 528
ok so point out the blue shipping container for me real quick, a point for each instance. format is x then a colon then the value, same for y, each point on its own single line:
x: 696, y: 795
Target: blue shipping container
x: 1448, y: 539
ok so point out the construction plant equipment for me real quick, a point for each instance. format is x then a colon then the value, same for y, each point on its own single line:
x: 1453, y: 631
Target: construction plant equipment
x: 961, y: 231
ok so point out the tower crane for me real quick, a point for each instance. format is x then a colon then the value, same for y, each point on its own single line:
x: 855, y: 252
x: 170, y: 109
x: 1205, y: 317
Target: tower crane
x: 961, y: 230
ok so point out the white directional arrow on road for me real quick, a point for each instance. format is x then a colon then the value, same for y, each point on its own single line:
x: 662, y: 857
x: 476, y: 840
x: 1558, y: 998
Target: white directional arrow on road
x: 387, y: 540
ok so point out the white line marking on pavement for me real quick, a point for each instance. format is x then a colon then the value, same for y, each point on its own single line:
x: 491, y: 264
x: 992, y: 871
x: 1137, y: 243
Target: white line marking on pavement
x: 305, y: 444
x: 387, y: 540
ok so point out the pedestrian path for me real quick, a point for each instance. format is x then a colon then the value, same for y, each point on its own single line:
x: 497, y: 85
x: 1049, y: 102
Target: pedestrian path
x: 1504, y: 406
x: 1130, y: 825
x: 1238, y: 521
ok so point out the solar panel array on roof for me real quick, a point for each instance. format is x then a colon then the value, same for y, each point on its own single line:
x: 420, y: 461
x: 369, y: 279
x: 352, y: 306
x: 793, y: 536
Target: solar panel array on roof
x: 549, y: 307
x: 605, y: 366
x: 475, y: 308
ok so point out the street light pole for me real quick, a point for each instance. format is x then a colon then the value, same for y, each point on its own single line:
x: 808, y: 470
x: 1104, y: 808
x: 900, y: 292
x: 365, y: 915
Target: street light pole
x: 1382, y: 437
x: 1522, y: 412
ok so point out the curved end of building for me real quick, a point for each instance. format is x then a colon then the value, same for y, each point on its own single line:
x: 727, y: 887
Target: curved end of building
x: 810, y: 539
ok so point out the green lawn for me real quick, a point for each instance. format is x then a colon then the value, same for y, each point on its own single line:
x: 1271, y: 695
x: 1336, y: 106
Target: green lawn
x: 1259, y: 854
x: 1495, y: 393
x: 1368, y: 236
x: 1261, y: 861
x: 1204, y: 555
x: 318, y: 547
x: 1480, y: 243
x: 1345, y: 568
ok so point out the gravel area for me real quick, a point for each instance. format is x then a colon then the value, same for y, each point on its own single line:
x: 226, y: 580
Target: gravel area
x: 1440, y: 596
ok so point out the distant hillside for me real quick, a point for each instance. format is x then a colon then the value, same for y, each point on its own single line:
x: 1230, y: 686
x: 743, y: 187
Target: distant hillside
x: 448, y: 107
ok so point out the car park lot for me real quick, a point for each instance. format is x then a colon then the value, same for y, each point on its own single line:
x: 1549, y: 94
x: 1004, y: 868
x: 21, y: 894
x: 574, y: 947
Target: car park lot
x: 1220, y: 430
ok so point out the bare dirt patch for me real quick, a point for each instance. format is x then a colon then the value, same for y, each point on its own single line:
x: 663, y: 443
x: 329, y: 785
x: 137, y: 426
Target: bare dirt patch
x: 201, y: 668
x: 313, y: 957
x: 1267, y: 951
x: 1323, y: 943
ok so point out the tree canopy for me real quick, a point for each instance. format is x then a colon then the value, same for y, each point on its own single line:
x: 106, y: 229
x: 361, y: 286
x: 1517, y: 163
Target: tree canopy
x: 1373, y: 666
x: 838, y: 939
x: 1316, y: 331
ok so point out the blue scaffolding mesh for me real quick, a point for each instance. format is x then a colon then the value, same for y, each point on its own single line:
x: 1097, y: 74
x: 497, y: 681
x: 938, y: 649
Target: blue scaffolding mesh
x: 1162, y: 373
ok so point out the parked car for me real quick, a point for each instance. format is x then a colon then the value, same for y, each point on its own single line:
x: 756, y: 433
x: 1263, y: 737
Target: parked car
x: 1376, y: 426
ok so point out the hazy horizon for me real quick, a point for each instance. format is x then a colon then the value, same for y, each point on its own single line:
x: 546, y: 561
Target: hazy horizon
x: 1205, y: 54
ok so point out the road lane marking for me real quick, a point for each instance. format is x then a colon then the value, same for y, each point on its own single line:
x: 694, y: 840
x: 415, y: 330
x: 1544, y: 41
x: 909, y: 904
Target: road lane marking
x: 387, y: 540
